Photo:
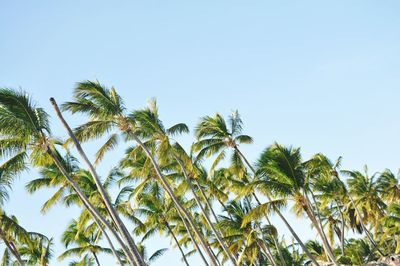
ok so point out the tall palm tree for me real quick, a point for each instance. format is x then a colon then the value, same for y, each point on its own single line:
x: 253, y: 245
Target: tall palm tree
x: 110, y: 208
x: 107, y: 114
x: 25, y: 133
x: 283, y: 172
x: 214, y: 137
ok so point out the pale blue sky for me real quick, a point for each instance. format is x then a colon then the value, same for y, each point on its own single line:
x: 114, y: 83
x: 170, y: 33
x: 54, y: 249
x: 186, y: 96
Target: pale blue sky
x: 323, y: 75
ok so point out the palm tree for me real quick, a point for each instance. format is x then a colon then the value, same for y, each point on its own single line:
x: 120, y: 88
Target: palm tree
x: 11, y: 233
x: 388, y: 186
x: 107, y: 113
x: 25, y: 131
x: 214, y: 137
x: 37, y: 250
x: 85, y: 239
x: 363, y: 193
x: 283, y: 173
x: 111, y: 210
x: 158, y: 212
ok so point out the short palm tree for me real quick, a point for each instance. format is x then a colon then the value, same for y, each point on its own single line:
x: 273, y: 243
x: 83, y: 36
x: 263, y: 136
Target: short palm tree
x: 85, y: 240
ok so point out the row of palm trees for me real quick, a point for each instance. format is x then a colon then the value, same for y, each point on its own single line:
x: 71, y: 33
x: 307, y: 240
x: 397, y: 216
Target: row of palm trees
x: 222, y: 213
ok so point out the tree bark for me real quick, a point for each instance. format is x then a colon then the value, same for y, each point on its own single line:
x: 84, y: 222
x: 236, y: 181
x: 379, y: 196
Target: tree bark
x: 114, y: 215
x: 177, y: 243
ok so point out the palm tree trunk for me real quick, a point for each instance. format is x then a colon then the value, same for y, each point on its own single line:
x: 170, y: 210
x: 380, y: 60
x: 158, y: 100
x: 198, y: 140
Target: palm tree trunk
x: 114, y: 215
x: 273, y: 237
x: 203, y: 194
x: 92, y: 210
x: 168, y: 189
x: 311, y: 216
x: 177, y: 243
x: 10, y: 248
x: 108, y: 240
x: 277, y: 211
x: 268, y: 253
x: 342, y: 228
x: 96, y: 259
x: 210, y: 224
x: 192, y: 237
x: 320, y: 229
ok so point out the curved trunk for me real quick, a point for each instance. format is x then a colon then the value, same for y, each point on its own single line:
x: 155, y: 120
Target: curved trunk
x: 114, y: 215
x: 177, y: 243
x: 206, y: 199
x: 277, y: 211
x: 268, y: 253
x: 210, y: 224
x: 92, y: 210
x: 10, y: 248
x: 178, y: 205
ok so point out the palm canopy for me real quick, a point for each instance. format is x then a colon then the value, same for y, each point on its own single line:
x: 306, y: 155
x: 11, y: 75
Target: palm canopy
x: 105, y: 110
x: 215, y: 135
x: 22, y: 128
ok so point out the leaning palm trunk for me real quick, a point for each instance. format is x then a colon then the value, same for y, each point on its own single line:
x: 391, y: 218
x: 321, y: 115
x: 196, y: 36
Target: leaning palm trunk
x: 318, y: 226
x: 273, y: 237
x: 311, y: 216
x: 177, y: 243
x: 111, y: 210
x: 277, y: 211
x: 178, y: 205
x: 192, y: 237
x: 216, y: 233
x: 108, y: 240
x: 10, y: 248
x: 92, y: 210
x: 342, y: 228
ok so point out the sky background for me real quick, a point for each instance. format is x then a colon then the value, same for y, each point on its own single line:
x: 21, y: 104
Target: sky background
x: 322, y: 75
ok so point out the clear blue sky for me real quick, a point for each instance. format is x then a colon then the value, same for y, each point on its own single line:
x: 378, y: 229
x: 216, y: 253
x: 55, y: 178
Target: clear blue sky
x: 323, y: 75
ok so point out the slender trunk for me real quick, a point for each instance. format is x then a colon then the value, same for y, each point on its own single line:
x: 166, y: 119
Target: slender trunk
x: 314, y: 221
x: 115, y: 253
x: 273, y: 237
x: 305, y: 249
x: 10, y: 248
x: 168, y: 189
x: 192, y: 237
x: 320, y: 229
x: 342, y: 228
x: 206, y: 199
x: 177, y: 243
x: 366, y: 231
x: 210, y: 224
x: 114, y: 215
x: 92, y: 210
x: 96, y: 259
x: 268, y: 253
